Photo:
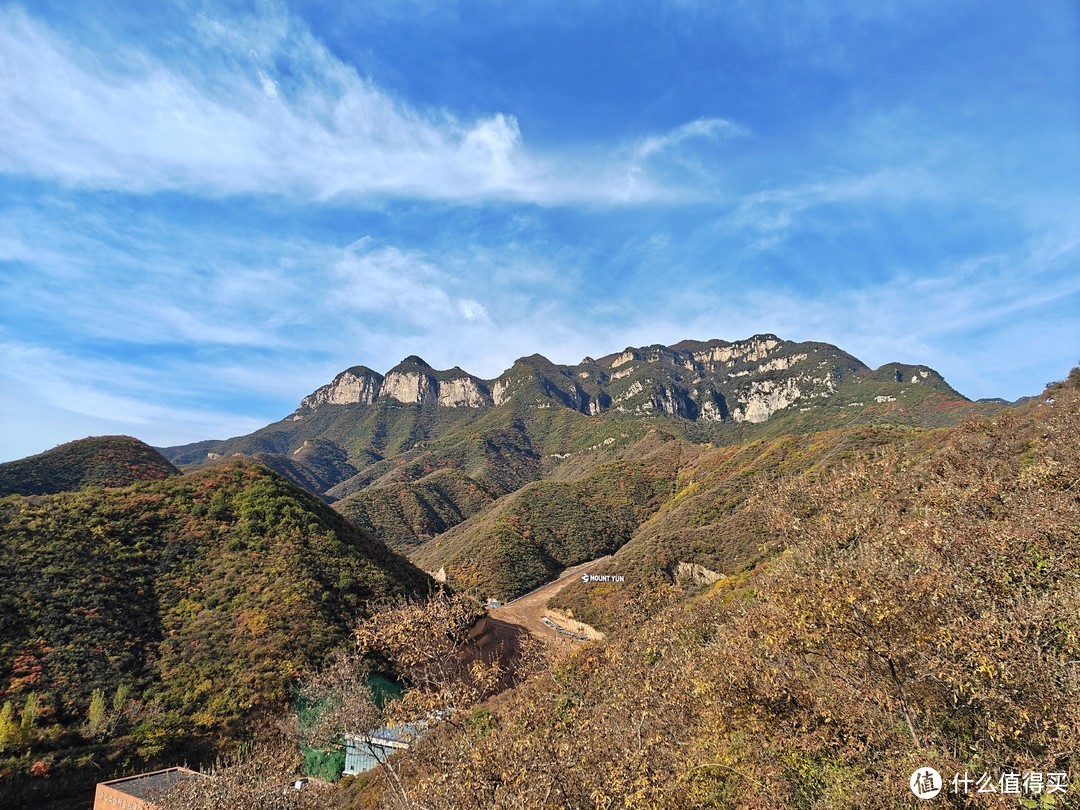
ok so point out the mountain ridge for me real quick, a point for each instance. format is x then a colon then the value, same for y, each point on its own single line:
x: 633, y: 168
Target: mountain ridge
x: 416, y: 453
x: 688, y: 384
x: 370, y: 425
x: 104, y: 461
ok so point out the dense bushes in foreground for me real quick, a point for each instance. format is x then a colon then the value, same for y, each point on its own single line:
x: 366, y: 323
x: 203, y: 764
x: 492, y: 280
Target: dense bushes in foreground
x: 923, y: 611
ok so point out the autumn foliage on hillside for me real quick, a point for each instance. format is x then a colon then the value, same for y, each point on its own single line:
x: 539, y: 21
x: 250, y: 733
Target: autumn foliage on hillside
x: 922, y: 609
x: 163, y: 619
x: 100, y: 461
x: 406, y: 514
x: 530, y: 536
x: 704, y: 523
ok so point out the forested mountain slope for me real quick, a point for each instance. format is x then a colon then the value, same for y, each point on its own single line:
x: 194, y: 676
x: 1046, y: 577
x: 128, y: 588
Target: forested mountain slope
x: 919, y: 607
x: 525, y: 539
x: 100, y: 461
x: 425, y: 459
x: 159, y: 619
x: 365, y: 429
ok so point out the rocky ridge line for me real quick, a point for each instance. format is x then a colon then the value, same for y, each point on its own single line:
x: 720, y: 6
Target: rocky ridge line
x: 743, y: 381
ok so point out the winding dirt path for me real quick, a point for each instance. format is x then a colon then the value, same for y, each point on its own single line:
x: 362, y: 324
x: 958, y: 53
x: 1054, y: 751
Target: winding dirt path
x: 528, y: 610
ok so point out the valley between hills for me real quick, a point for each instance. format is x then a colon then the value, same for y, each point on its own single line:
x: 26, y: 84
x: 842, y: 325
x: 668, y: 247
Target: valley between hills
x: 811, y: 577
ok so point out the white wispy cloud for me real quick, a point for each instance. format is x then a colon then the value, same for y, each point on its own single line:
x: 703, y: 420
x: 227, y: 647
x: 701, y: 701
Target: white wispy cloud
x: 146, y: 283
x: 177, y: 307
x: 701, y: 128
x: 136, y: 123
x: 402, y: 288
x: 773, y: 213
x: 48, y: 396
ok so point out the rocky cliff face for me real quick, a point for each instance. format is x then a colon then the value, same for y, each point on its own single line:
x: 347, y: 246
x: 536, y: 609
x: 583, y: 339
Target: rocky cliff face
x: 463, y: 392
x: 694, y: 380
x: 743, y: 381
x: 412, y: 382
x: 719, y: 353
x: 357, y: 385
x: 761, y: 399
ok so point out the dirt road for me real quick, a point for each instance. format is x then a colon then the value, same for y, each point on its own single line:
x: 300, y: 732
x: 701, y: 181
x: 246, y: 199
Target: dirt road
x: 528, y: 610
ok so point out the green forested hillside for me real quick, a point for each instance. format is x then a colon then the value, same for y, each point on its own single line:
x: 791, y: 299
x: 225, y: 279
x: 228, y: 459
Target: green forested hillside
x: 656, y: 503
x: 405, y: 515
x: 527, y: 538
x: 148, y: 621
x: 101, y: 461
x: 438, y: 463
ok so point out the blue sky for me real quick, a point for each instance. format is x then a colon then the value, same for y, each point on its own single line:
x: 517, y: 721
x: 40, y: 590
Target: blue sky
x: 208, y: 210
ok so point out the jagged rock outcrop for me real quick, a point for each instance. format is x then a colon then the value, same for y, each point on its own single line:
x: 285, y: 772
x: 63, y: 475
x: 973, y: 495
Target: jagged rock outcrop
x: 500, y: 391
x: 696, y: 380
x: 356, y: 385
x: 411, y: 381
x: 713, y: 406
x: 463, y: 391
x: 760, y: 400
x: 717, y: 353
x: 695, y: 573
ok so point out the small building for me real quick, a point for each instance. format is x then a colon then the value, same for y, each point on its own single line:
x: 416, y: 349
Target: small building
x: 137, y: 792
x: 365, y: 751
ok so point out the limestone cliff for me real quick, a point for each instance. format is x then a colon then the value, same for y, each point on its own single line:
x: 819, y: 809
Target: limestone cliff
x: 746, y: 381
x: 412, y: 381
x: 761, y: 399
x: 463, y: 392
x: 357, y: 385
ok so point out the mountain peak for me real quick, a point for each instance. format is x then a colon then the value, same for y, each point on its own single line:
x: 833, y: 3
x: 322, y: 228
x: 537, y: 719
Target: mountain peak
x: 357, y: 371
x: 358, y: 384
x: 103, y: 461
x: 412, y: 361
x: 745, y: 380
x: 533, y: 360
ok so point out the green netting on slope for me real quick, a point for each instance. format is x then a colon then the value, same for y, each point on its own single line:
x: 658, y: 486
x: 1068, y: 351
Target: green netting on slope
x: 329, y: 763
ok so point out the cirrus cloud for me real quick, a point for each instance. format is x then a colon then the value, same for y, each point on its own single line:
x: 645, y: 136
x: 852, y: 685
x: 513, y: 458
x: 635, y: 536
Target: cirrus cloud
x: 287, y: 117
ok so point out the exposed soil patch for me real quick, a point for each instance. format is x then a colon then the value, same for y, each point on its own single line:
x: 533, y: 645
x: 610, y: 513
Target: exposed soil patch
x: 528, y: 611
